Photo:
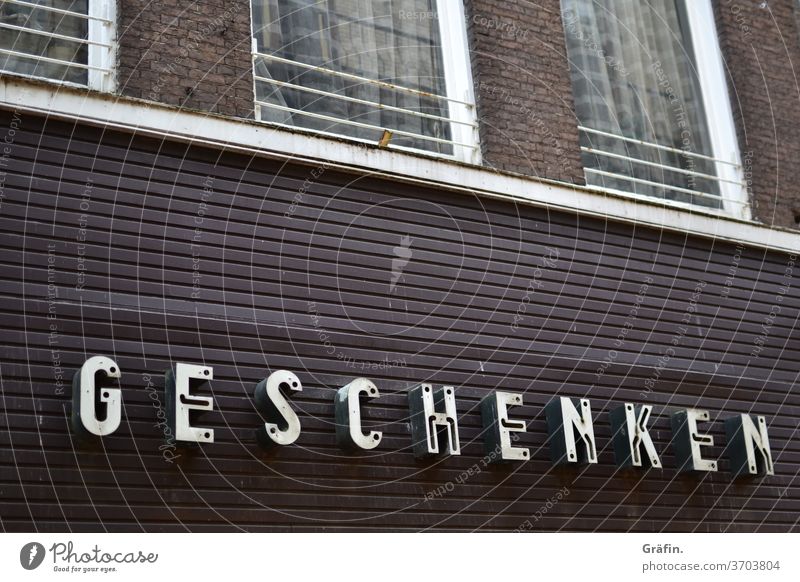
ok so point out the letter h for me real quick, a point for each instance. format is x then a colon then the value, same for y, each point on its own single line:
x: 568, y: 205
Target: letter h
x: 428, y: 427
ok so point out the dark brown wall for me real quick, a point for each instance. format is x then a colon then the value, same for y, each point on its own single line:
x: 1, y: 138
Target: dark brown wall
x: 761, y: 47
x: 523, y: 88
x: 153, y: 252
x: 191, y: 54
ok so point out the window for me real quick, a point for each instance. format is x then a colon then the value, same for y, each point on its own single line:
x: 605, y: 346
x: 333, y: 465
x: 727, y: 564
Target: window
x: 652, y: 103
x: 393, y: 72
x: 61, y: 40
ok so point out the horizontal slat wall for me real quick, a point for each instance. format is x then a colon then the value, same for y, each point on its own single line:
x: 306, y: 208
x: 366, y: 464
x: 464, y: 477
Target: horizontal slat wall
x: 239, y: 282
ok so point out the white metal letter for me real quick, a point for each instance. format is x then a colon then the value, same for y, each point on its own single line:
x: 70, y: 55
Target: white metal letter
x: 427, y: 425
x: 629, y: 433
x: 744, y: 439
x: 349, y: 434
x: 282, y: 426
x: 566, y: 419
x: 85, y: 421
x: 687, y: 441
x: 180, y: 402
x: 498, y: 427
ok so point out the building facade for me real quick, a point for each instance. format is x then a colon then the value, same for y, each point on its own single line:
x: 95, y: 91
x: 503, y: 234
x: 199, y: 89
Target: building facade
x: 403, y: 265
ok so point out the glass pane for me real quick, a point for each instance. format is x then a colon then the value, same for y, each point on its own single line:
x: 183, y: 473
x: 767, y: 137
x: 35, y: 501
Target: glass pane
x: 37, y: 44
x: 633, y: 75
x: 396, y: 42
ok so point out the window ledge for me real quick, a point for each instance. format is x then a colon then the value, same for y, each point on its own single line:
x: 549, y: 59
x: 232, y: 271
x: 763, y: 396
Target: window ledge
x: 135, y: 115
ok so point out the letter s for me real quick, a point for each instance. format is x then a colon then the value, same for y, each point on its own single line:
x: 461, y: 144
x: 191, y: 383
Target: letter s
x: 283, y: 426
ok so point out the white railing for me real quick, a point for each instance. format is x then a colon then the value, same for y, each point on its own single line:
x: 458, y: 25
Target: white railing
x: 466, y: 119
x: 100, y: 51
x: 730, y: 196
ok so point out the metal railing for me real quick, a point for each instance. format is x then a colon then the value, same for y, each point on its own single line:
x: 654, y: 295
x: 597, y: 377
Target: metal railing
x: 99, y: 58
x: 447, y: 120
x: 725, y: 184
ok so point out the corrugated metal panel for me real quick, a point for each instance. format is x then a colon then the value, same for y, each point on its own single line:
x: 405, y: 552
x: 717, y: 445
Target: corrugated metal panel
x: 266, y: 267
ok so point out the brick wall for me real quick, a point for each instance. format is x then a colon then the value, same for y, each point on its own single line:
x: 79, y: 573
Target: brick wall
x: 760, y: 43
x: 189, y: 54
x: 197, y: 55
x: 523, y: 88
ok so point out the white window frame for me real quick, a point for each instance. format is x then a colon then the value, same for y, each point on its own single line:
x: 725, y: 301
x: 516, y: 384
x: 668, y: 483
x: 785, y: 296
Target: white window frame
x: 458, y: 86
x: 102, y: 50
x: 717, y: 106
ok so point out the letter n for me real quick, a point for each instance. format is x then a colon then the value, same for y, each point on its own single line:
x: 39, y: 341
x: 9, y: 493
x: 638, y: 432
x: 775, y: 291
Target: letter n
x: 570, y: 419
x: 745, y: 437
